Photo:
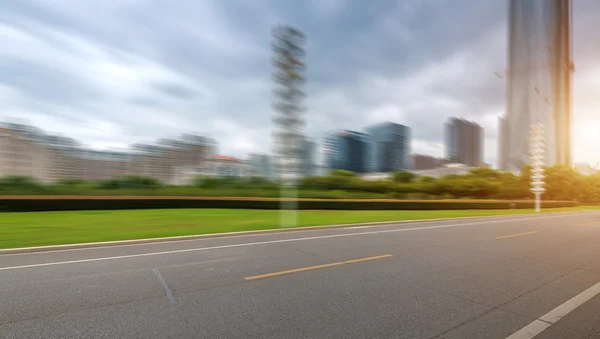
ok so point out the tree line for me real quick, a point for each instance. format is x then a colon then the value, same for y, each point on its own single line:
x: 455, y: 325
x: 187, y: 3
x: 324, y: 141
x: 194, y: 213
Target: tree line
x: 562, y: 183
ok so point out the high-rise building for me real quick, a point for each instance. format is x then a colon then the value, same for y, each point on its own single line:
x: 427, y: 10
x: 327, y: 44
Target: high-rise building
x: 308, y: 158
x: 424, y: 162
x: 260, y: 165
x: 538, y: 81
x: 502, y: 143
x: 464, y: 142
x: 390, y: 147
x: 29, y: 151
x: 347, y: 150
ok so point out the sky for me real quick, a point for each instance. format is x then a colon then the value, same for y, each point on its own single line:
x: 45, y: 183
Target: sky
x: 113, y: 73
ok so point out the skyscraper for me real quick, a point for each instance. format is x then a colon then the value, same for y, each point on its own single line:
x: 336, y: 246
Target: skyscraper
x: 539, y: 81
x: 502, y: 143
x: 464, y: 142
x: 424, y: 162
x: 390, y: 147
x: 347, y: 150
x: 308, y: 158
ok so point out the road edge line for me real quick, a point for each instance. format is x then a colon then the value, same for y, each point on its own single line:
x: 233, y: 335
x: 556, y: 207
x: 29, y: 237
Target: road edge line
x: 547, y: 320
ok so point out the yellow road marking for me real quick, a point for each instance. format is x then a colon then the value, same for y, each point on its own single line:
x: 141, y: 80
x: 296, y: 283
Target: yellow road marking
x: 515, y: 235
x: 366, y: 259
x: 591, y: 223
x: 268, y: 275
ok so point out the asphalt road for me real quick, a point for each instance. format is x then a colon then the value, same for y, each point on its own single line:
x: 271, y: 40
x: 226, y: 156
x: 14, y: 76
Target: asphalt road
x: 498, y: 277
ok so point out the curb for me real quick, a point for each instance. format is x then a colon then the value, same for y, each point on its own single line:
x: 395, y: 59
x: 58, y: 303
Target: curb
x: 91, y: 245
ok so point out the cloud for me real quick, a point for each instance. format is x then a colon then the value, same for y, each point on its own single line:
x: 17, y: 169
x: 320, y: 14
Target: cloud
x: 123, y: 71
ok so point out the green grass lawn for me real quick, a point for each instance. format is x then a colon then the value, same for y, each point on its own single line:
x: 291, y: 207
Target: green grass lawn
x: 54, y: 228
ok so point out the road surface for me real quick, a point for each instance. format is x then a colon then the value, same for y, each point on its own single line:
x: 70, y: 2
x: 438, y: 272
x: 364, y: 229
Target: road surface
x: 498, y: 277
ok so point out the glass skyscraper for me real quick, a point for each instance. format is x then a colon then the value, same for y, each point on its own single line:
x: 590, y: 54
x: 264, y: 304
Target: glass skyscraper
x: 539, y: 82
x: 464, y: 142
x: 389, y: 147
x: 347, y: 150
x: 308, y: 158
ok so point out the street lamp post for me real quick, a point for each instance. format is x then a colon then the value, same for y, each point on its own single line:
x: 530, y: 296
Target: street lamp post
x: 289, y: 121
x: 537, y: 163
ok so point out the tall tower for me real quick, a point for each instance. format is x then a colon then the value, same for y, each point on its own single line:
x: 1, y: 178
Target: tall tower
x: 464, y: 142
x: 539, y: 81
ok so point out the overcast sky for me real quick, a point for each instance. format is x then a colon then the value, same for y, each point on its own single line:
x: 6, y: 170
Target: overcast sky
x: 113, y: 72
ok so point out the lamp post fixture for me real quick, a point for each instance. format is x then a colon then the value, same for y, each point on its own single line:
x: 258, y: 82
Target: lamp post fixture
x: 537, y: 163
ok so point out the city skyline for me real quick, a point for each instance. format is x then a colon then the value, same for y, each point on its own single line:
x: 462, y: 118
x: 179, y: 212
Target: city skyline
x: 310, y: 148
x: 125, y: 83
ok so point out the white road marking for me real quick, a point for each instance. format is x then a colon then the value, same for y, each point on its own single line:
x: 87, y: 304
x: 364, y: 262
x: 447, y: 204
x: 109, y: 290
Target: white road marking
x: 267, y: 242
x: 545, y: 321
x: 190, y: 238
x: 167, y: 289
x: 357, y: 227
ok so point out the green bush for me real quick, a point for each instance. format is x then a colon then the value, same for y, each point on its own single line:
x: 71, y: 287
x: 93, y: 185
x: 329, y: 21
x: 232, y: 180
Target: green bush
x: 563, y: 183
x: 130, y: 182
x: 71, y: 182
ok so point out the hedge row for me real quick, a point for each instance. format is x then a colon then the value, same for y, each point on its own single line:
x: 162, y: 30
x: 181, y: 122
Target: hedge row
x: 33, y: 203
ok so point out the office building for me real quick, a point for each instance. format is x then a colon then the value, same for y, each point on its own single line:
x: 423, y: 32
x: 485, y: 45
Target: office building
x: 260, y: 165
x: 347, y: 150
x: 308, y: 158
x: 221, y: 166
x: 389, y: 147
x: 424, y: 162
x: 502, y: 143
x: 464, y: 142
x: 28, y: 151
x: 444, y: 170
x: 538, y: 82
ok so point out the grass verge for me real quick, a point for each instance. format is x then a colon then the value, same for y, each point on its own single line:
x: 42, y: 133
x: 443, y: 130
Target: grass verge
x: 57, y: 228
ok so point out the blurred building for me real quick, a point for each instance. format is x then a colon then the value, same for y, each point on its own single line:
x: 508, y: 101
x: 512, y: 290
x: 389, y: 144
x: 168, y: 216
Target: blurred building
x: 225, y: 166
x: 347, y: 150
x: 28, y: 151
x: 585, y: 169
x: 423, y: 162
x: 22, y: 151
x: 447, y: 169
x: 538, y: 82
x: 92, y: 165
x: 322, y: 170
x: 389, y: 147
x: 308, y: 158
x: 260, y: 165
x: 220, y: 166
x: 464, y: 142
x: 502, y: 143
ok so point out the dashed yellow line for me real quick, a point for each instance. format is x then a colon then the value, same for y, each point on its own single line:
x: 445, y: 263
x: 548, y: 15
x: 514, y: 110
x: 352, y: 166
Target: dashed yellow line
x: 302, y: 269
x: 516, y: 235
x: 590, y: 223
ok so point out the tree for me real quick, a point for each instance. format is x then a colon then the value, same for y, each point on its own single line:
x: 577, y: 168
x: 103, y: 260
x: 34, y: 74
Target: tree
x: 343, y: 173
x: 563, y: 183
x: 404, y: 176
x: 485, y: 173
x: 592, y: 188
